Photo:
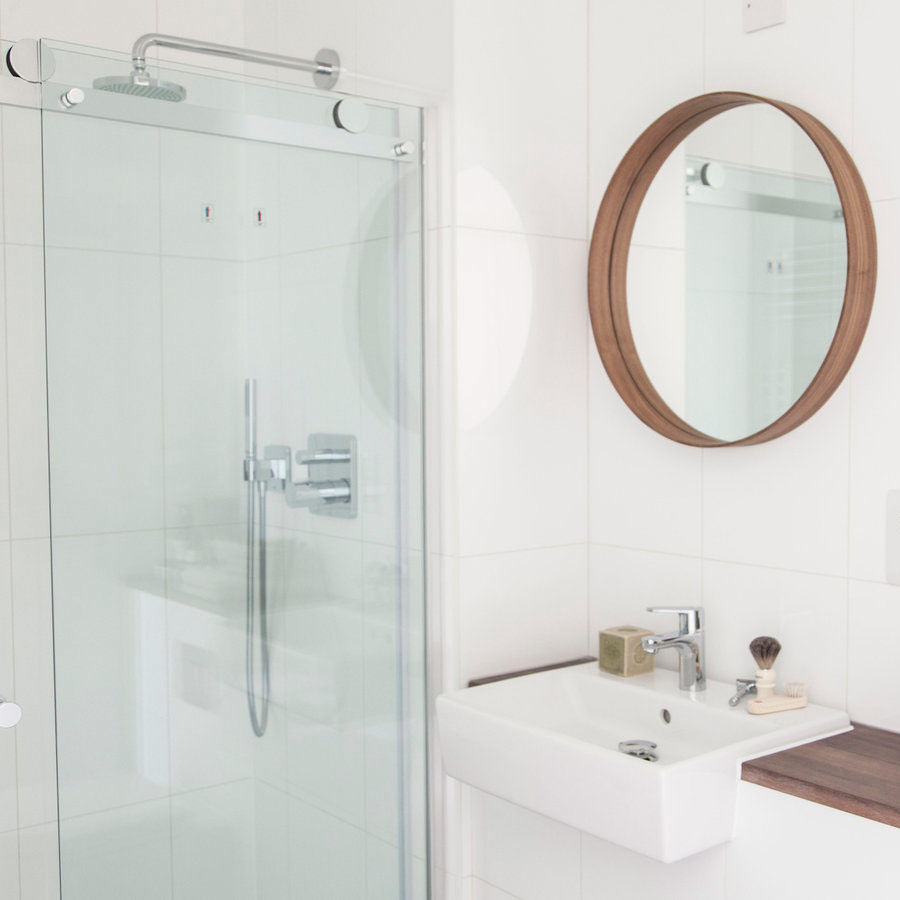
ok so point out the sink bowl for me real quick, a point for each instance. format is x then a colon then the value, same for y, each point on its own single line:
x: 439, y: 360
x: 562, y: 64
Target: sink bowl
x: 549, y: 742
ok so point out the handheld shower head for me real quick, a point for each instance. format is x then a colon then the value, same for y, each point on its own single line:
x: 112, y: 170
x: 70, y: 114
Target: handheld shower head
x: 140, y: 84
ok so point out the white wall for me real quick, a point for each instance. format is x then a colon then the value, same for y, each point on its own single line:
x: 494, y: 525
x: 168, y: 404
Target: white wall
x: 786, y: 538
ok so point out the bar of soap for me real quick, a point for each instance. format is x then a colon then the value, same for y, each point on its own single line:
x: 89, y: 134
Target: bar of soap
x: 621, y: 653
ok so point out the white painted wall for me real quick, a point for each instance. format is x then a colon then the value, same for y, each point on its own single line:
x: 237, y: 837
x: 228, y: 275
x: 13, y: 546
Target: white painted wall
x: 786, y: 538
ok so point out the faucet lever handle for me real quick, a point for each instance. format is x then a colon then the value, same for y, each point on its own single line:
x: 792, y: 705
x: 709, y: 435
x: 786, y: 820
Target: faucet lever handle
x: 690, y: 618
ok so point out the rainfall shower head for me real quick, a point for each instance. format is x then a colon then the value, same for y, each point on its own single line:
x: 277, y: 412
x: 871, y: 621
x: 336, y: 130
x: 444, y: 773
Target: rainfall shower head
x: 140, y: 84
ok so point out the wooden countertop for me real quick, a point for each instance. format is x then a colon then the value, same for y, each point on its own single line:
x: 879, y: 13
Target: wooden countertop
x: 858, y: 772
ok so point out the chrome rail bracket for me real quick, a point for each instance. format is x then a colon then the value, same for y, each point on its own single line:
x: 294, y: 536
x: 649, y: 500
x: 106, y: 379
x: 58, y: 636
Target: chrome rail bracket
x: 26, y: 59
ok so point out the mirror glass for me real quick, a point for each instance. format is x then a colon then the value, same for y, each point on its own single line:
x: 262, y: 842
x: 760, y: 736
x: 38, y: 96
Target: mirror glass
x: 736, y: 271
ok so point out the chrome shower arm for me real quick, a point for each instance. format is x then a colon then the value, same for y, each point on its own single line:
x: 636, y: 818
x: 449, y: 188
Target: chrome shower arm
x: 326, y: 66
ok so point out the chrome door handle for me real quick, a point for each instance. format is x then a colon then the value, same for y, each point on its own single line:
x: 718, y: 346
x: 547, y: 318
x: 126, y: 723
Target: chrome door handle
x: 10, y: 713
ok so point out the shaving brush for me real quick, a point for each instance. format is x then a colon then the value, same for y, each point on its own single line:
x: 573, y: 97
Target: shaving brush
x: 765, y: 651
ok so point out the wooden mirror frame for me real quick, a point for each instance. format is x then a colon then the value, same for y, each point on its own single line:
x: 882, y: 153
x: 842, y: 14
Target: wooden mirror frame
x: 611, y: 242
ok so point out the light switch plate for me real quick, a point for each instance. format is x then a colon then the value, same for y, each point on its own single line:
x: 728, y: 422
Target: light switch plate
x: 892, y: 537
x: 759, y: 14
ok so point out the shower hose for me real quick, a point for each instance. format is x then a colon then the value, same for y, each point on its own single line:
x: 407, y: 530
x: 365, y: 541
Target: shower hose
x: 258, y: 703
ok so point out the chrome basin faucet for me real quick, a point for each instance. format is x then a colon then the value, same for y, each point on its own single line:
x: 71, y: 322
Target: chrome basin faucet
x: 688, y: 641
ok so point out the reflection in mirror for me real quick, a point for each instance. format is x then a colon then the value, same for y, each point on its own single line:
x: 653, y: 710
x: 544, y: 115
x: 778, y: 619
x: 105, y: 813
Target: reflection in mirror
x: 736, y: 272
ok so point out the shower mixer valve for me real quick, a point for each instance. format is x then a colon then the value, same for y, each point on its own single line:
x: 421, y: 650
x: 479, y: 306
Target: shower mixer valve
x: 331, y: 462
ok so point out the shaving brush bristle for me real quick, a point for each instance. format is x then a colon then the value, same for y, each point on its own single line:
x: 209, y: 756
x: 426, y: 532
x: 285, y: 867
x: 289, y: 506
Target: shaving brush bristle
x: 765, y: 650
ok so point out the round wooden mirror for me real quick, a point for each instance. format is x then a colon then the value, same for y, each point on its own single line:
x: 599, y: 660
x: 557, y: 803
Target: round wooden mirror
x: 732, y: 270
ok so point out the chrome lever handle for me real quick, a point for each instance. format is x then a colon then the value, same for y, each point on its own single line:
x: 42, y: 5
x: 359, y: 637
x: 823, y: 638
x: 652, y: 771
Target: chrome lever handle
x: 690, y: 618
x: 313, y: 457
x: 10, y: 713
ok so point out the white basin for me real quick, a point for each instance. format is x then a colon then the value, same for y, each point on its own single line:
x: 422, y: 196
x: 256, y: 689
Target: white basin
x: 549, y: 742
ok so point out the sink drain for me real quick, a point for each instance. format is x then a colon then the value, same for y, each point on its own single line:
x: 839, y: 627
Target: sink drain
x: 640, y: 749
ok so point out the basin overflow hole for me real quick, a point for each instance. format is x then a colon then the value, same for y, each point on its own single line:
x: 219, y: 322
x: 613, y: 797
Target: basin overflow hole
x: 665, y: 715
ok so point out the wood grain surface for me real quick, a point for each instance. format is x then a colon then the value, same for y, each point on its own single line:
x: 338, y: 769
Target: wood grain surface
x: 858, y: 772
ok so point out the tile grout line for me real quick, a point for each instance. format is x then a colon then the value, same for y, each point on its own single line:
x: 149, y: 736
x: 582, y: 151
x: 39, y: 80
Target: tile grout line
x: 735, y: 562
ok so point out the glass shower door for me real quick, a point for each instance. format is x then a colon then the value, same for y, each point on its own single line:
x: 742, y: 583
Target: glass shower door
x: 234, y: 390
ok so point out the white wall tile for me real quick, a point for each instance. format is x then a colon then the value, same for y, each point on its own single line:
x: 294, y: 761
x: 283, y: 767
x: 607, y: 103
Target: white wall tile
x: 33, y: 636
x: 321, y: 365
x: 783, y: 503
x: 671, y: 41
x: 481, y: 890
x: 522, y: 322
x: 386, y: 626
x: 9, y: 860
x: 440, y: 391
x: 521, y: 142
x: 319, y: 199
x: 324, y: 686
x: 406, y: 42
x: 523, y: 853
x: 110, y: 655
x: 213, y: 843
x: 124, y: 852
x: 307, y: 26
x: 874, y: 430
x: 612, y: 871
x: 4, y: 424
x: 113, y: 204
x: 8, y: 789
x: 272, y: 840
x: 385, y: 393
x: 113, y: 24
x: 105, y: 390
x: 39, y: 862
x: 29, y: 489
x: 522, y: 609
x: 210, y: 741
x: 645, y: 490
x: 234, y: 177
x: 383, y: 863
x: 876, y: 91
x: 806, y: 849
x: 204, y: 311
x: 807, y: 613
x: 23, y: 211
x: 808, y: 59
x: 221, y: 21
x: 873, y: 609
x: 623, y: 583
x: 328, y: 856
x: 658, y: 317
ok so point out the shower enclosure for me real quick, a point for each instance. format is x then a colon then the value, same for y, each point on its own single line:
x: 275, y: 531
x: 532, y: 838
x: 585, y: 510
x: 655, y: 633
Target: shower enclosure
x: 233, y: 318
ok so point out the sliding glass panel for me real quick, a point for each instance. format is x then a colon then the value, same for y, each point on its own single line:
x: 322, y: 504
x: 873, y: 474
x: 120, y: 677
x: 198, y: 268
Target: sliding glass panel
x: 234, y: 380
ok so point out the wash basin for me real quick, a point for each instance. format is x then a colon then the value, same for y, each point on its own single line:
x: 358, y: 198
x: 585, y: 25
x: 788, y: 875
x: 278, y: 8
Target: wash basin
x: 550, y: 742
